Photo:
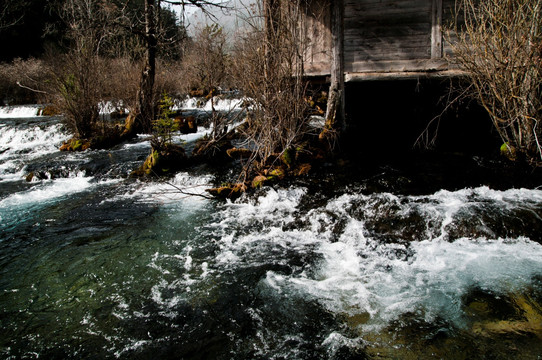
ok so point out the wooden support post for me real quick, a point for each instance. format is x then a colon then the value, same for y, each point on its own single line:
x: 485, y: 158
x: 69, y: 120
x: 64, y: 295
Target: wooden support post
x: 436, y: 29
x: 335, y: 115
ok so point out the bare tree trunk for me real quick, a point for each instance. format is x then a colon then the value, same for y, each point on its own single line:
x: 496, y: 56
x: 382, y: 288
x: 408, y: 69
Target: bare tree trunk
x: 145, y: 95
x: 335, y: 115
x: 271, y: 14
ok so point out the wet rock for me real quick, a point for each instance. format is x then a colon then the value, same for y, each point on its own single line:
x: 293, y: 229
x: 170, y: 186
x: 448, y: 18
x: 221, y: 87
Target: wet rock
x: 163, y: 161
x: 239, y: 153
x: 212, y: 151
x: 48, y: 110
x: 198, y: 92
x: 186, y: 125
x: 75, y: 144
x: 259, y: 181
x: 38, y: 175
x: 228, y: 191
x: 530, y: 321
x: 302, y: 169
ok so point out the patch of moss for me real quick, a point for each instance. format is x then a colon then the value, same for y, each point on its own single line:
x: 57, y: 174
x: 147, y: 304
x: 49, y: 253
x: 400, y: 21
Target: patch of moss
x: 76, y: 145
x: 508, y: 151
x: 288, y: 157
x: 228, y: 191
x: 276, y: 174
x: 48, y: 110
x: 259, y: 181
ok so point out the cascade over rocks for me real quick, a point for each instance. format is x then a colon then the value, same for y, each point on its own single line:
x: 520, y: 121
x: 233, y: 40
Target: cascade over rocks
x: 111, y: 136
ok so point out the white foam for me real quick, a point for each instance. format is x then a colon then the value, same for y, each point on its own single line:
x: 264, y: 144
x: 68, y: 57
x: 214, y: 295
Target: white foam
x: 18, y: 146
x: 184, y: 188
x: 49, y: 190
x: 21, y: 111
x: 201, y: 132
x: 220, y: 104
x: 34, y: 138
x: 358, y: 274
x: 108, y: 107
x: 368, y: 278
x: 274, y: 202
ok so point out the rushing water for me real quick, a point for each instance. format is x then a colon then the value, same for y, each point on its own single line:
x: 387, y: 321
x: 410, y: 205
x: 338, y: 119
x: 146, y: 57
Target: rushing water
x: 94, y: 264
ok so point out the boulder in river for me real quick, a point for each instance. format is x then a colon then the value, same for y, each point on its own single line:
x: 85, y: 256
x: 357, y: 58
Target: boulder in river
x: 75, y: 144
x: 239, y: 153
x: 163, y: 161
x: 228, y: 191
x: 212, y: 151
x: 186, y: 125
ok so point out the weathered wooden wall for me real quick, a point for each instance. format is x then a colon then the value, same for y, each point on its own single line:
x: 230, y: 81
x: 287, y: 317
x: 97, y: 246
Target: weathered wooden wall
x: 381, y: 37
x: 318, y: 29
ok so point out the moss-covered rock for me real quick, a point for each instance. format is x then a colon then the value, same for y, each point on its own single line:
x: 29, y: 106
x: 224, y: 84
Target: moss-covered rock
x: 276, y: 174
x: 49, y: 110
x: 508, y: 151
x: 106, y: 139
x: 75, y: 144
x: 212, y: 151
x: 288, y: 157
x: 259, y: 181
x: 162, y: 162
x: 239, y: 153
x: 130, y: 128
x: 186, y: 125
x: 228, y: 191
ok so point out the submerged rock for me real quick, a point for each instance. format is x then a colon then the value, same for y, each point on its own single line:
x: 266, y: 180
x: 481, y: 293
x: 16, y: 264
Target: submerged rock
x: 526, y: 320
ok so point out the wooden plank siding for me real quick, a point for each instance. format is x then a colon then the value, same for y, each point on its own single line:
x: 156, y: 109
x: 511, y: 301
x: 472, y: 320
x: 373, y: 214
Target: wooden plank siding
x: 382, y: 36
x: 317, y: 51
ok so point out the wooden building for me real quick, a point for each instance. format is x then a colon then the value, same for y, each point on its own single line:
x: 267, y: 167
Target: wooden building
x: 377, y: 39
x: 385, y: 61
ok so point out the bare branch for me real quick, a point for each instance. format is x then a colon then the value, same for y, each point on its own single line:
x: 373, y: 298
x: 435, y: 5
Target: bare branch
x: 500, y: 46
x: 29, y: 88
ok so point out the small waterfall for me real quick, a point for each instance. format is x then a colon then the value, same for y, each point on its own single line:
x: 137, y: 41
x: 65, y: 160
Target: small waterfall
x: 20, y: 111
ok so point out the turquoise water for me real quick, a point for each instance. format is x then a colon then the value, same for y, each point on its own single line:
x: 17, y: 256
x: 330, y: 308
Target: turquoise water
x: 94, y: 264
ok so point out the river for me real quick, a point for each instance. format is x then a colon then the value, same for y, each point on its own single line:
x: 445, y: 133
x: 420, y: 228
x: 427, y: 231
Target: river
x: 385, y: 263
